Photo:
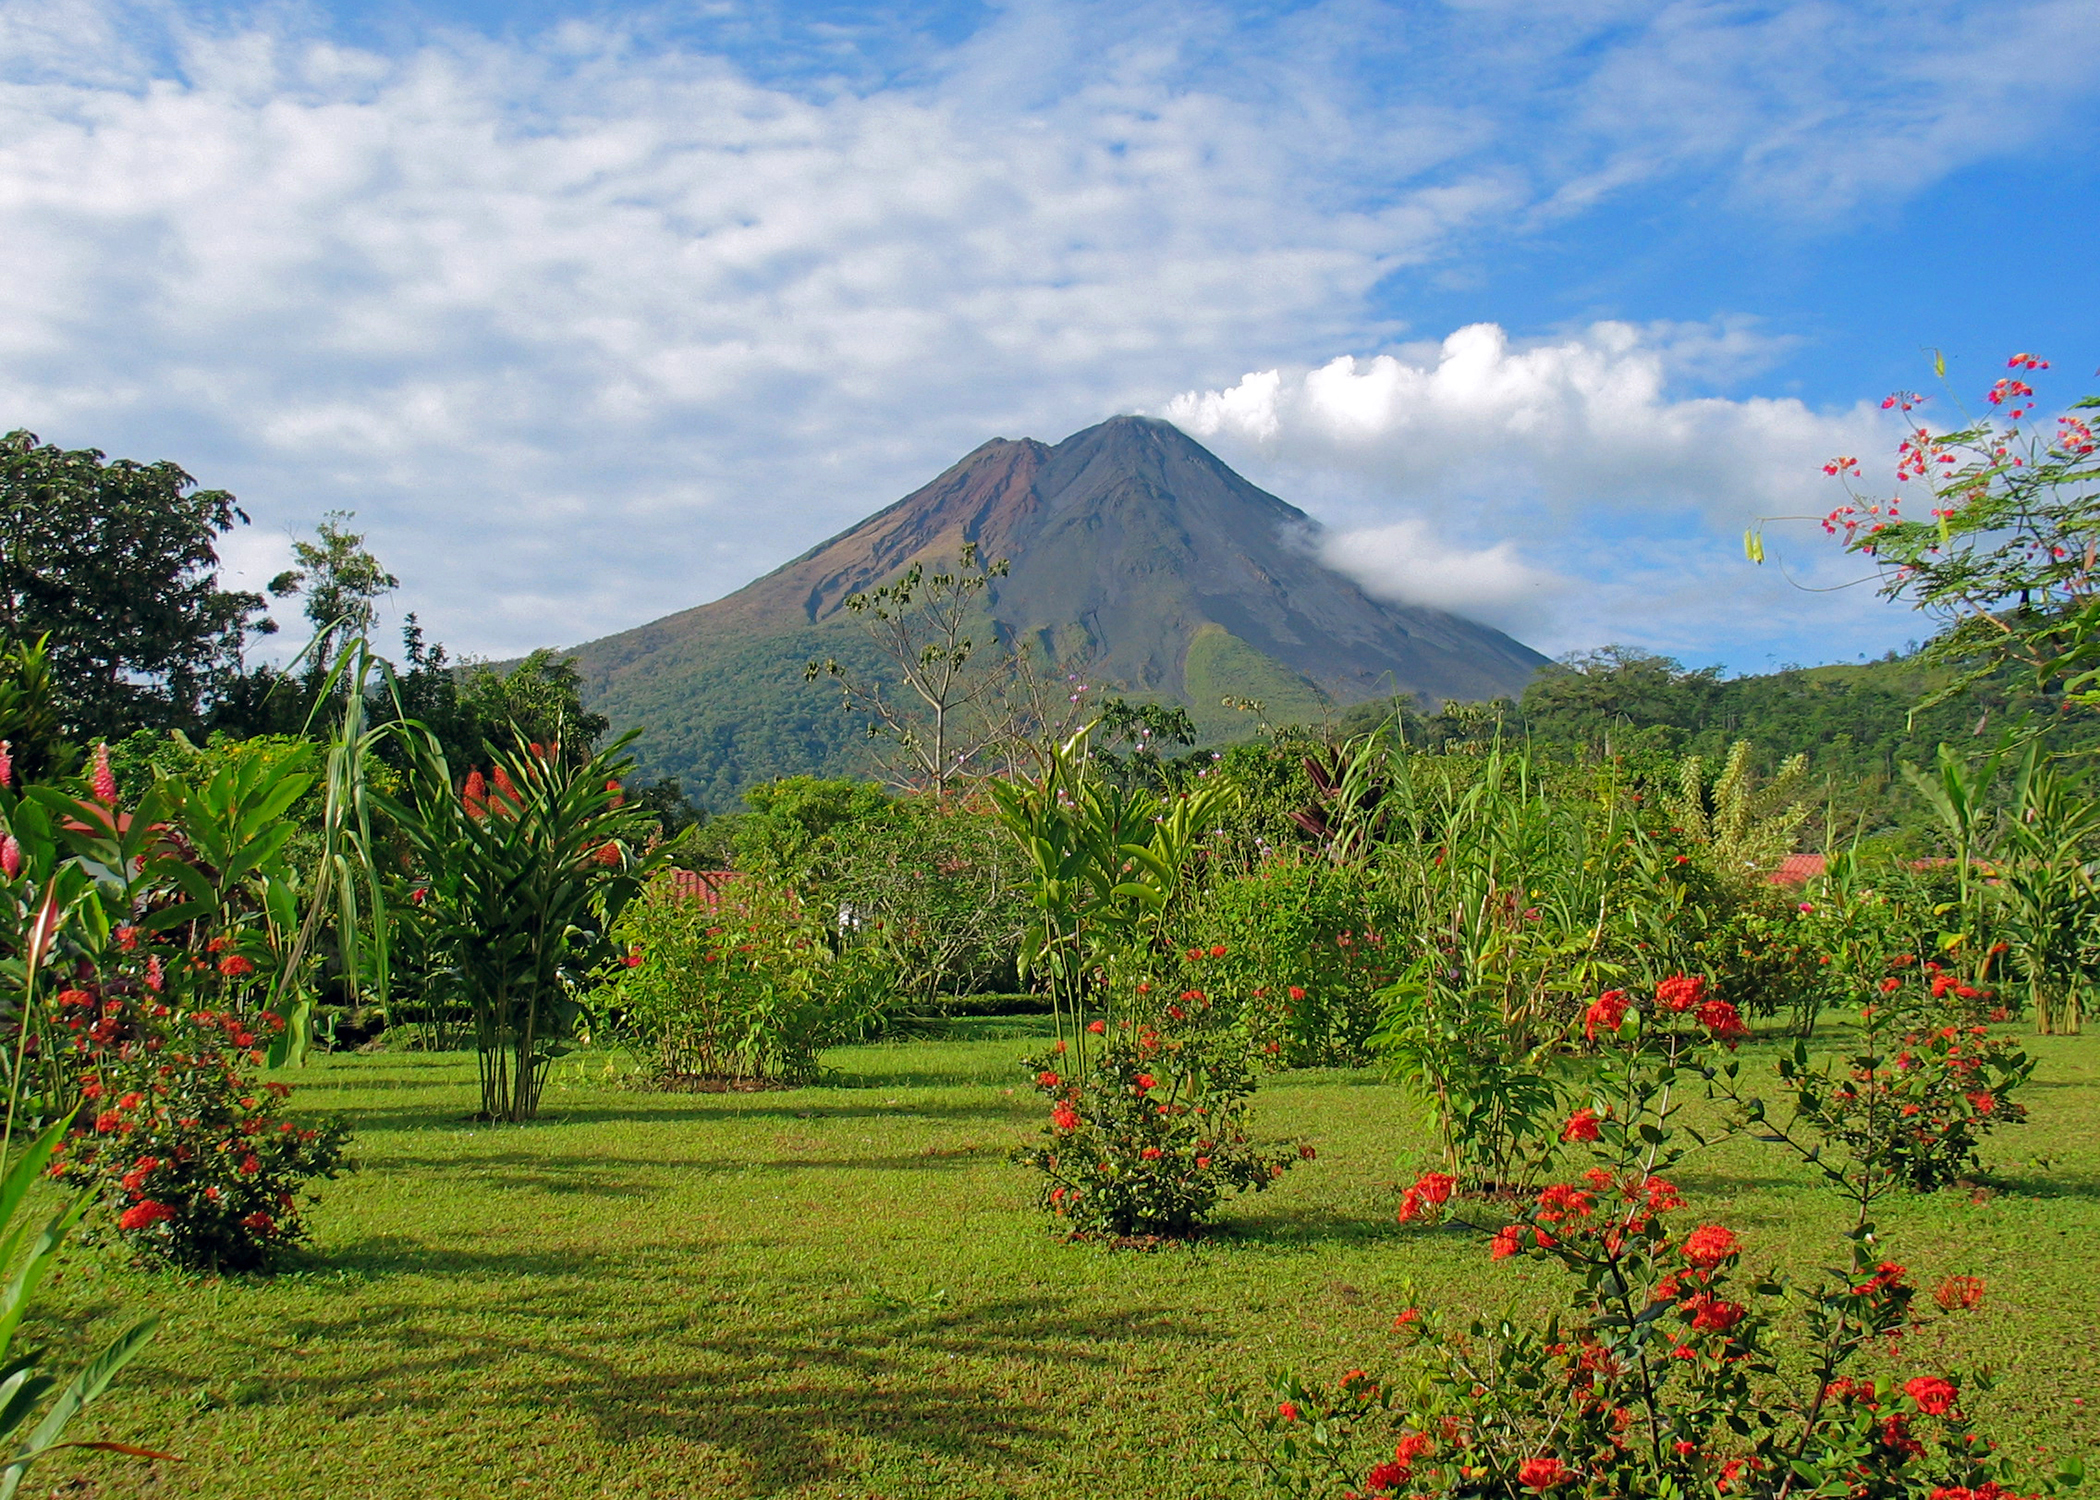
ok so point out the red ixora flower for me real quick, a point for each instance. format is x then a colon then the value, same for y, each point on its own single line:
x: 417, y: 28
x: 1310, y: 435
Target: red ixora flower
x: 1507, y: 1242
x: 1963, y: 1292
x: 1581, y: 1126
x: 1606, y: 1013
x: 233, y: 966
x: 1935, y: 1397
x: 1217, y: 950
x: 1680, y: 992
x: 1543, y: 1473
x: 1297, y: 992
x: 1710, y: 1244
x: 1097, y: 1027
x: 1064, y: 1117
x: 1723, y: 1020
x: 1287, y: 1411
x: 1387, y: 1476
x: 144, y: 1215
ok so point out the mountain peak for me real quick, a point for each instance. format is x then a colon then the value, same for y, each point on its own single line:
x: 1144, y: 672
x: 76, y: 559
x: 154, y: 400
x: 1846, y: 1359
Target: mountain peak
x: 1133, y: 551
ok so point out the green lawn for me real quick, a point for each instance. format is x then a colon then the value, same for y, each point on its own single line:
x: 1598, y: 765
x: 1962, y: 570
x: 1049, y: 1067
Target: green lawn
x: 843, y: 1291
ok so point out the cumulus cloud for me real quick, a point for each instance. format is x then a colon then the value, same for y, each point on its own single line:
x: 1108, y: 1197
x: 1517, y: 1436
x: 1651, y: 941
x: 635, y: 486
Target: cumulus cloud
x: 1408, y: 562
x: 593, y: 323
x: 1470, y: 466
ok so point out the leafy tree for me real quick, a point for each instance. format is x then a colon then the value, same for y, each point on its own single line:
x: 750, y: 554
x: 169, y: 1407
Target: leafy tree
x: 116, y: 563
x: 795, y: 820
x: 1616, y: 688
x: 944, y: 713
x: 342, y: 583
x: 2006, y: 555
x: 541, y: 697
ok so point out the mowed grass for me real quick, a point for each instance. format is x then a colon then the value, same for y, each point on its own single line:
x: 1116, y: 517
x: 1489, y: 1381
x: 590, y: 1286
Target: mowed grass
x: 845, y: 1291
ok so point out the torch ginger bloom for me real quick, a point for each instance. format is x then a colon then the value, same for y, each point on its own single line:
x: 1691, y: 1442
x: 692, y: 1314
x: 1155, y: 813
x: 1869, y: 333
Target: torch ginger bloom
x: 104, y: 782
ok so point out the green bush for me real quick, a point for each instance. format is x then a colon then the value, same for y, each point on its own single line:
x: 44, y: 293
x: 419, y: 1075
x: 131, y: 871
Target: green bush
x: 742, y: 988
x: 1300, y: 951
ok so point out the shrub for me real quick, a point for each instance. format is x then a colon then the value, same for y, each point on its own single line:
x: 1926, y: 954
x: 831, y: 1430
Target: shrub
x: 1912, y: 1104
x: 1671, y: 1373
x: 741, y: 988
x: 1151, y: 1133
x: 191, y: 1155
x: 1306, y: 960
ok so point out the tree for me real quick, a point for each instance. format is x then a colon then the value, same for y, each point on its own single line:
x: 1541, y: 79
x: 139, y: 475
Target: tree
x: 944, y: 713
x: 116, y: 562
x: 1616, y: 688
x: 342, y: 583
x: 541, y: 698
x: 2006, y: 557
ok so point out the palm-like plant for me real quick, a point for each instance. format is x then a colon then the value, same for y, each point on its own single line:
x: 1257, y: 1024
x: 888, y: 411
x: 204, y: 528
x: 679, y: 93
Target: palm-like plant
x: 524, y: 872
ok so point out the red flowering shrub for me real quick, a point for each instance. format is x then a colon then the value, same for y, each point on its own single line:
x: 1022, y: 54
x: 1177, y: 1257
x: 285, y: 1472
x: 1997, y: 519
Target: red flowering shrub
x: 191, y: 1154
x: 1669, y: 1372
x: 1913, y: 1103
x: 1151, y: 1134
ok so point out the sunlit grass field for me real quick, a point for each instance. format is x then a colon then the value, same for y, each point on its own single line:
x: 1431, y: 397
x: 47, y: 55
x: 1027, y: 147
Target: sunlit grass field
x: 846, y: 1291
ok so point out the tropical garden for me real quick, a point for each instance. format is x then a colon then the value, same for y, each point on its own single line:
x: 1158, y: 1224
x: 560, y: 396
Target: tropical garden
x: 406, y: 1095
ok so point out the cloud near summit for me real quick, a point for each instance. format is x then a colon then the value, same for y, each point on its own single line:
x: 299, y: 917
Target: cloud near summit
x: 1486, y: 476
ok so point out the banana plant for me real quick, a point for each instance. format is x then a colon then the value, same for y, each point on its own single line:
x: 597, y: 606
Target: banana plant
x: 1107, y: 866
x: 2048, y: 891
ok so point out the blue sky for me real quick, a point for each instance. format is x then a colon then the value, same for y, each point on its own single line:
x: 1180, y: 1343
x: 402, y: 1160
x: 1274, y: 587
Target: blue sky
x: 593, y: 313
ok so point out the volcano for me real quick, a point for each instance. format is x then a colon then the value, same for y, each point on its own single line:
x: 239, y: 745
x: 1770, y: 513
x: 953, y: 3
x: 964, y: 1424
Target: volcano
x: 1131, y: 548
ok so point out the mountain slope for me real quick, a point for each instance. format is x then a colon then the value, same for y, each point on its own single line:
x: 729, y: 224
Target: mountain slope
x: 1131, y: 547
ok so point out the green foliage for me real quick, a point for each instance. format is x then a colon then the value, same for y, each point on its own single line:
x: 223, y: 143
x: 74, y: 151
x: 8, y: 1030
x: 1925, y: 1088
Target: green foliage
x: 24, y: 1384
x: 938, y: 887
x: 742, y: 987
x: 1307, y: 958
x: 1150, y: 1133
x: 1745, y: 829
x: 522, y: 876
x: 1670, y: 1372
x: 190, y: 1154
x: 1220, y: 666
x: 2004, y: 558
x: 800, y: 822
x: 1109, y: 870
x: 30, y: 717
x: 116, y: 564
x: 539, y: 701
x: 341, y: 582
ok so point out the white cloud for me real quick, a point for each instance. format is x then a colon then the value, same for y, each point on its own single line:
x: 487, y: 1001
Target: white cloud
x: 1483, y: 476
x: 1407, y: 561
x: 588, y: 327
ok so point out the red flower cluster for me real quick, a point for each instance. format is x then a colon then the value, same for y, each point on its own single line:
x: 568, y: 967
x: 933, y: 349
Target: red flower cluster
x: 1431, y: 1190
x: 1606, y: 1013
x: 1681, y: 992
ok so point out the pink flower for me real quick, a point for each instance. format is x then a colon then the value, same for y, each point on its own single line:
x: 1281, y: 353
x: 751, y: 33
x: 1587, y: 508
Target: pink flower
x: 10, y: 856
x: 104, y: 782
x: 7, y: 763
